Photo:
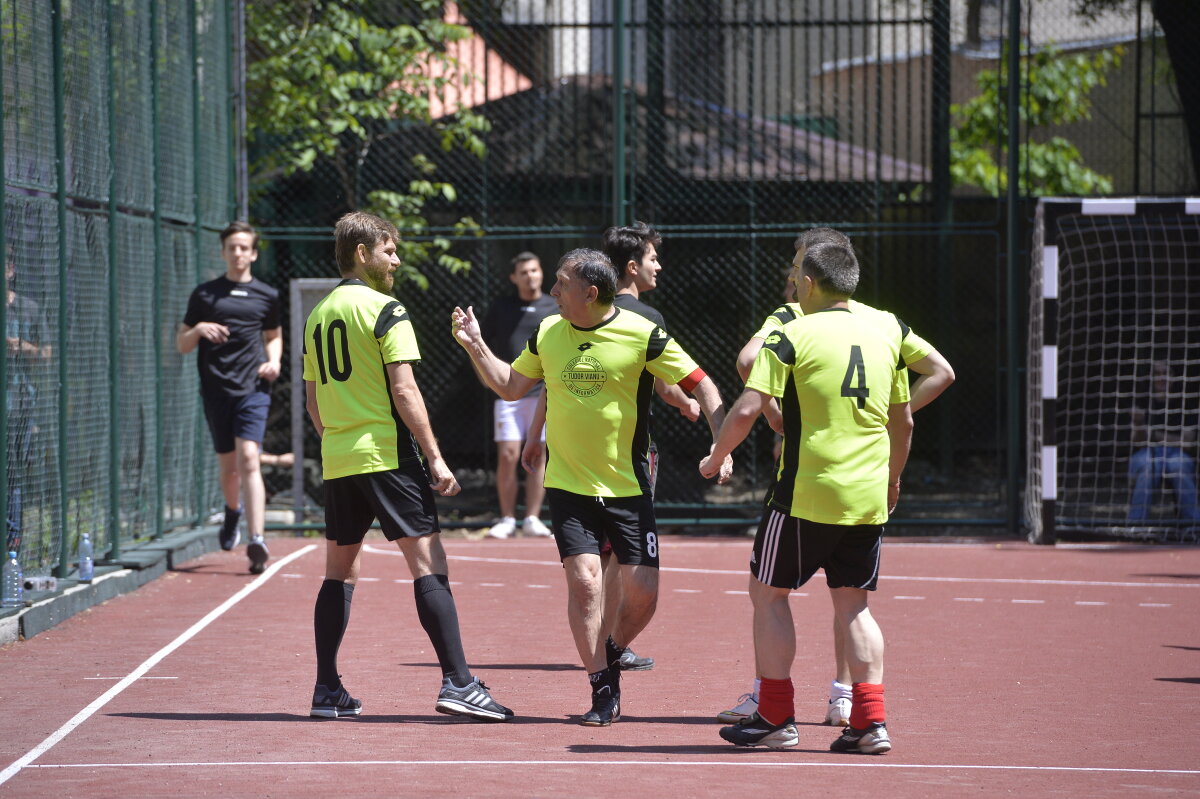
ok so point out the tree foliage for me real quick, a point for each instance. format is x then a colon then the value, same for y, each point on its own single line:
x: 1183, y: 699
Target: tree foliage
x: 1057, y: 94
x: 329, y: 81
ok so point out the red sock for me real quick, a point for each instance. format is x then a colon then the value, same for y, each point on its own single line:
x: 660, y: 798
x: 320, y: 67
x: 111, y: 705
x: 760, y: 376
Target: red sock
x: 776, y: 700
x: 867, y: 705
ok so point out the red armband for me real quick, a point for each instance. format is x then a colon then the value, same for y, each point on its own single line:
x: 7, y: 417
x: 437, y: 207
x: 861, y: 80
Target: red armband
x: 690, y: 382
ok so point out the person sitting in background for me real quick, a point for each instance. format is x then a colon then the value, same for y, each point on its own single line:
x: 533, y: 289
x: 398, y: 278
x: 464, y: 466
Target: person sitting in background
x: 1162, y: 428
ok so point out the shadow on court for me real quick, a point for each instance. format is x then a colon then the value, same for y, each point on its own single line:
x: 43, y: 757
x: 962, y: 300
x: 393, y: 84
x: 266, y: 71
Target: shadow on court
x: 303, y: 719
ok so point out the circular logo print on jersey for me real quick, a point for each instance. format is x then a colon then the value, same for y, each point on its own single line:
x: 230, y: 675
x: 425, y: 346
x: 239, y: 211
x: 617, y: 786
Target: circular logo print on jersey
x: 584, y: 376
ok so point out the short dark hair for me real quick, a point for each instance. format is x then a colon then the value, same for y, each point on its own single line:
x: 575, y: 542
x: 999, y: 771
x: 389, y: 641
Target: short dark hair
x: 238, y: 226
x: 521, y: 258
x: 628, y: 243
x: 355, y: 228
x: 594, y: 268
x: 833, y: 267
x: 821, y: 235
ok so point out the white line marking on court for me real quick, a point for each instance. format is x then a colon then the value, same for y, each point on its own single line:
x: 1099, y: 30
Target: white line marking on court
x: 1029, y: 601
x: 118, y: 678
x: 908, y: 597
x: 739, y: 593
x: 1153, y: 605
x: 406, y: 580
x: 292, y: 576
x: 968, y: 599
x: 369, y: 579
x: 147, y: 664
x: 739, y: 762
x: 914, y: 578
x: 539, y: 586
x: 492, y: 585
x: 1090, y: 603
x: 687, y: 590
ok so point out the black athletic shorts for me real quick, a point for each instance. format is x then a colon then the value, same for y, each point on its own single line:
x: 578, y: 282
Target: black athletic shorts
x: 231, y: 418
x: 583, y: 524
x: 788, y: 551
x: 401, y: 499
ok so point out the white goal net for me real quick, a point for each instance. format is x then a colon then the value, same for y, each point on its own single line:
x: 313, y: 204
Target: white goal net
x: 1114, y: 370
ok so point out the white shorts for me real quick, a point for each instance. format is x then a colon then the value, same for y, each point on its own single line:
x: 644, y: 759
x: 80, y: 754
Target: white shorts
x: 513, y: 418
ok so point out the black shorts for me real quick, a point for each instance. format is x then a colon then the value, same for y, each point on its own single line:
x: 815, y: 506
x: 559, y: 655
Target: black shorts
x: 231, y: 418
x: 788, y: 551
x: 583, y: 524
x: 401, y: 499
x: 652, y: 473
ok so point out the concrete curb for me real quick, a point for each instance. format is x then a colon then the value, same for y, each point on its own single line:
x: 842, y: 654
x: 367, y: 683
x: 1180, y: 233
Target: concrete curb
x: 136, y: 567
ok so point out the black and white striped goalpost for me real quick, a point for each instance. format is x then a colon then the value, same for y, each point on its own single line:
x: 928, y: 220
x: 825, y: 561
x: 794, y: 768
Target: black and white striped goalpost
x: 1061, y: 223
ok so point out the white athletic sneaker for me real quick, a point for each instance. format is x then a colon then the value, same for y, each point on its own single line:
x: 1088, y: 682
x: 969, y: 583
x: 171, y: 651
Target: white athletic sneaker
x: 838, y: 714
x: 504, y: 528
x: 747, y: 705
x: 533, y: 526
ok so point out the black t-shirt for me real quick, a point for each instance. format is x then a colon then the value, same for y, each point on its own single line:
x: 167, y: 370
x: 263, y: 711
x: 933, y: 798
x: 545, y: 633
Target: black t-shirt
x: 509, y: 323
x: 247, y: 309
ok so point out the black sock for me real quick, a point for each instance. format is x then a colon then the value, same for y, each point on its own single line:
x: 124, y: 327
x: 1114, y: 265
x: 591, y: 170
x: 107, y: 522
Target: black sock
x: 330, y: 616
x: 439, y: 617
x: 606, y: 677
x: 612, y: 653
x: 232, y: 516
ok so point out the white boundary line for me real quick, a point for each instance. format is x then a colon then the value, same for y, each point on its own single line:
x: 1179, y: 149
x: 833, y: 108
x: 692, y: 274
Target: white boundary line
x: 883, y: 578
x: 685, y: 763
x: 149, y: 663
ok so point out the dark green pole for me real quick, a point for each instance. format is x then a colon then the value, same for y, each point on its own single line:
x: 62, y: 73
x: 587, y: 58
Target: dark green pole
x: 618, y: 48
x: 1012, y: 317
x: 198, y: 240
x: 3, y: 324
x: 156, y: 291
x: 60, y: 157
x: 943, y: 208
x: 113, y: 525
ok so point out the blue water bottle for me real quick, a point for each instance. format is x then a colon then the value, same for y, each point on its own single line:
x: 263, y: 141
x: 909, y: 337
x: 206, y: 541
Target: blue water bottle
x: 12, y: 592
x: 86, y: 564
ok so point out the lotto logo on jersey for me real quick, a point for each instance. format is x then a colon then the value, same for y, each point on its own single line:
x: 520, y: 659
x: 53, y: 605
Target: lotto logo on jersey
x: 584, y: 376
x: 772, y: 339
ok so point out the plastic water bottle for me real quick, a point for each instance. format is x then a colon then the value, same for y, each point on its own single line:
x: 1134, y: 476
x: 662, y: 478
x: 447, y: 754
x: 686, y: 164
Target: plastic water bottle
x: 12, y: 592
x: 86, y: 563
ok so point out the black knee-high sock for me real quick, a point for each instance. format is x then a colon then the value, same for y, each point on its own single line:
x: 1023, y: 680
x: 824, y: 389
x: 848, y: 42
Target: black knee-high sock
x: 330, y: 616
x: 439, y: 617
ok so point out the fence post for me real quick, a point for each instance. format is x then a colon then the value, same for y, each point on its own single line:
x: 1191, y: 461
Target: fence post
x: 60, y: 158
x: 618, y: 88
x: 1012, y: 316
x: 113, y: 523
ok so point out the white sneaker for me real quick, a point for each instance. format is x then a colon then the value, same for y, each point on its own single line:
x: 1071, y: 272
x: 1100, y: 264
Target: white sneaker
x: 503, y: 528
x: 533, y: 526
x: 747, y: 705
x: 838, y: 714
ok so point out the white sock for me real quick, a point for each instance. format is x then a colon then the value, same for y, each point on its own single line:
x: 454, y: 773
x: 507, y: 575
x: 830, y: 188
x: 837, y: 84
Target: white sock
x: 839, y: 690
x: 757, y: 685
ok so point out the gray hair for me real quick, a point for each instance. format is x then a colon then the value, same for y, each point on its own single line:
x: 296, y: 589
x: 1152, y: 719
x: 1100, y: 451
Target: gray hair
x: 833, y: 268
x: 821, y: 235
x: 594, y: 268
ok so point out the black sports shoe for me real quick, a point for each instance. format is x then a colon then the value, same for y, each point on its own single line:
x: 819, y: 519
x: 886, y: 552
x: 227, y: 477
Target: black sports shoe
x: 629, y: 661
x: 329, y: 704
x: 606, y: 708
x: 873, y: 740
x: 258, y: 553
x: 230, y: 532
x: 754, y: 730
x: 473, y: 701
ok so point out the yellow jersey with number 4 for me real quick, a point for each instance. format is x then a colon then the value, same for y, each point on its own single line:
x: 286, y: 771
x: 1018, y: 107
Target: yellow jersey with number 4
x: 834, y: 374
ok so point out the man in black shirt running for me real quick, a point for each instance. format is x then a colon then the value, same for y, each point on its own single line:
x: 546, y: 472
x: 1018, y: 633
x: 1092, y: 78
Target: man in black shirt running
x: 235, y: 322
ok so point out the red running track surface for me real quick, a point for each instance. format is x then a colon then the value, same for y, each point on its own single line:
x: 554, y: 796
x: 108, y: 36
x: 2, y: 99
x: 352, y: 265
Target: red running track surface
x: 1010, y: 670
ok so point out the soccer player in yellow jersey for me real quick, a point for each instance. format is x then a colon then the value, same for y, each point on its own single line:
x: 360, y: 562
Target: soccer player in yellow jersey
x: 359, y: 351
x: 847, y: 428
x: 934, y: 375
x: 598, y: 363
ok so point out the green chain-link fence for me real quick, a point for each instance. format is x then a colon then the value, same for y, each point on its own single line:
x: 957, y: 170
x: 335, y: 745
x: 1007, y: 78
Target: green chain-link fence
x: 729, y: 125
x: 117, y: 167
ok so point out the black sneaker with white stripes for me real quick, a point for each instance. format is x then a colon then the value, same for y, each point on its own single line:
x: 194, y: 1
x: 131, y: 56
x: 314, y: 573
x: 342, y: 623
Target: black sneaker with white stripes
x: 472, y: 701
x: 230, y: 532
x: 754, y: 730
x: 329, y: 704
x: 631, y: 661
